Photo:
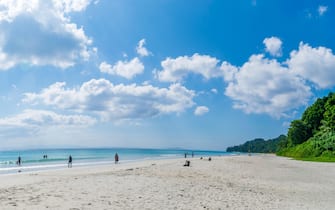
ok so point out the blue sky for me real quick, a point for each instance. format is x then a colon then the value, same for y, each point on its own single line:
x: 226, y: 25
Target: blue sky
x: 154, y: 73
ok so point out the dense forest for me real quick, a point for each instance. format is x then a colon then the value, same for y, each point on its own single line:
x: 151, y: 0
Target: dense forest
x: 259, y: 145
x: 310, y: 138
x: 313, y: 136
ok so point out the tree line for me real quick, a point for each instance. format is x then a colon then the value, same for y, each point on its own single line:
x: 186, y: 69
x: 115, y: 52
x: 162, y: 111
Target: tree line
x: 313, y: 136
x: 258, y: 145
x: 310, y: 138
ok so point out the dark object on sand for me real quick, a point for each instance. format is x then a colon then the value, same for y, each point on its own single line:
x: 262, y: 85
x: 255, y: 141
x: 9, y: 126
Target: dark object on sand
x: 187, y: 163
x: 209, y: 159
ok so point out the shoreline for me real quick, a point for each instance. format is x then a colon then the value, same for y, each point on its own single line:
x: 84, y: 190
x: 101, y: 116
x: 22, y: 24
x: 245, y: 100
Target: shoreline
x: 46, y: 166
x: 226, y: 182
x: 32, y: 159
x: 64, y: 166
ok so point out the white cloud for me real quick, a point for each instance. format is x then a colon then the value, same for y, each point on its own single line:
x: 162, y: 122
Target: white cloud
x: 268, y: 86
x: 201, y: 110
x: 322, y: 10
x: 34, y: 122
x: 141, y: 50
x: 30, y: 117
x: 228, y: 71
x: 127, y: 69
x: 213, y: 90
x: 71, y: 5
x: 115, y: 102
x: 41, y: 33
x: 176, y: 69
x: 273, y: 46
x: 265, y: 86
x: 262, y: 85
x: 314, y: 64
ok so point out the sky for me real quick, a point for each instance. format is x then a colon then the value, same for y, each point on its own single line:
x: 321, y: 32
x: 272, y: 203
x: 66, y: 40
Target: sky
x: 197, y: 74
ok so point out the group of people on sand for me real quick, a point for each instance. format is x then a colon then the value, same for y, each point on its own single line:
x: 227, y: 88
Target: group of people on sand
x: 188, y: 162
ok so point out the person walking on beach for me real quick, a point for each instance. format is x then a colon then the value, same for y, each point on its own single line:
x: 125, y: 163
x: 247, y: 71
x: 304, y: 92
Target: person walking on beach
x: 69, y: 164
x: 116, y: 157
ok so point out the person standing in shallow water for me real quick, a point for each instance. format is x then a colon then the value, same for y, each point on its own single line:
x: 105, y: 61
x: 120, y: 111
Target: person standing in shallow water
x: 116, y: 157
x: 19, y: 161
x: 69, y: 164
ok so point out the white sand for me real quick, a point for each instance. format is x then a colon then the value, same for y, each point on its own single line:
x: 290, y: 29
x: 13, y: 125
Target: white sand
x: 239, y: 182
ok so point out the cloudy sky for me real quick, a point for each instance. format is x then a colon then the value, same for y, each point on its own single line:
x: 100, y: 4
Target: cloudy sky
x: 200, y: 74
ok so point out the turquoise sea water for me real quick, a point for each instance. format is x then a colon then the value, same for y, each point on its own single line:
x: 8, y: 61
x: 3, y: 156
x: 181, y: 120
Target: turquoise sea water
x: 33, y: 160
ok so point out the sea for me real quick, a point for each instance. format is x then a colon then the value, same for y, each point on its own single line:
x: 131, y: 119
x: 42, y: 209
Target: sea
x: 47, y: 159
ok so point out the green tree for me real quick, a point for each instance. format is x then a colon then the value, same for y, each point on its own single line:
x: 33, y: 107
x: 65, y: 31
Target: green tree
x: 313, y: 115
x: 259, y: 145
x: 312, y: 137
x: 329, y: 115
x: 298, y: 133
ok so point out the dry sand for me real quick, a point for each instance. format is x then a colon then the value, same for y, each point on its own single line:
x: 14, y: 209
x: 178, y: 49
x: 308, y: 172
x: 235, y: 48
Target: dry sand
x: 238, y: 182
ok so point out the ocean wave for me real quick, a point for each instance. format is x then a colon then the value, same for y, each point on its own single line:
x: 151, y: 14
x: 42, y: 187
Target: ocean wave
x: 31, y: 167
x: 169, y: 155
x: 7, y: 162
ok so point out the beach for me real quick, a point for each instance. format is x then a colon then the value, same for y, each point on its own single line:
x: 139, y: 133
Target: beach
x: 230, y: 182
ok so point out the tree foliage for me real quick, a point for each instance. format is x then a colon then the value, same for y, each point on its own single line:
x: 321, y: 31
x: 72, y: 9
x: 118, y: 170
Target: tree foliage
x: 298, y: 132
x: 310, y: 138
x: 313, y: 115
x: 258, y: 145
x: 329, y: 114
x: 313, y: 136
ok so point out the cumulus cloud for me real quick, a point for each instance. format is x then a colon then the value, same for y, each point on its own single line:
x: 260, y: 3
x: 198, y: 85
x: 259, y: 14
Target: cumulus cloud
x: 322, y: 10
x: 41, y: 33
x: 276, y: 88
x: 30, y: 117
x: 127, y: 69
x: 265, y: 86
x: 273, y: 46
x: 34, y: 122
x: 201, y: 110
x: 115, y: 102
x: 71, y: 5
x: 141, y: 50
x: 228, y: 71
x: 314, y: 64
x: 262, y: 85
x: 175, y: 69
x: 214, y: 90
